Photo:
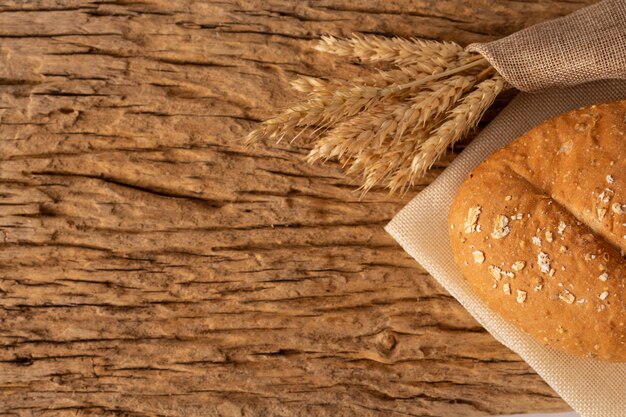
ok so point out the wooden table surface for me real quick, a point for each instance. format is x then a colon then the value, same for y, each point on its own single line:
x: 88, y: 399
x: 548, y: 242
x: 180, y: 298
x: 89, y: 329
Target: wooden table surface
x: 151, y: 265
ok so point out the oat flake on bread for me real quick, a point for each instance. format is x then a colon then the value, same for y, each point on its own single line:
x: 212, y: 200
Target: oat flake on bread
x: 565, y: 177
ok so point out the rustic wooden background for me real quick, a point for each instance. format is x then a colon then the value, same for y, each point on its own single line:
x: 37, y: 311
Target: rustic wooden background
x: 151, y: 265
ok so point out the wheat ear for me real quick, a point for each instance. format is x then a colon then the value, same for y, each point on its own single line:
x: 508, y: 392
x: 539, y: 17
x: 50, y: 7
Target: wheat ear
x: 365, y: 130
x: 461, y: 119
x: 434, y: 100
x: 310, y: 85
x: 399, y: 51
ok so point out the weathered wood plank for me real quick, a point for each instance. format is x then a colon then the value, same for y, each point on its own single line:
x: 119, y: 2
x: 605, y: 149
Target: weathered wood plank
x: 151, y: 265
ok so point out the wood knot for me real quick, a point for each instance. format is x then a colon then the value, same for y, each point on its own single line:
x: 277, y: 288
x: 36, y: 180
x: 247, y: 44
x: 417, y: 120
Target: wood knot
x: 387, y: 342
x: 23, y: 360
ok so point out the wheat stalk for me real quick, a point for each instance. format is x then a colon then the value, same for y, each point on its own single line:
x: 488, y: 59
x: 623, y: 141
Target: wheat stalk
x: 391, y: 126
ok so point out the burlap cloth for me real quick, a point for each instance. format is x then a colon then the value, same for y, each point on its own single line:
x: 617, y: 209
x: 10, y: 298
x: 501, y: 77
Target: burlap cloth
x: 584, y: 46
x: 550, y: 59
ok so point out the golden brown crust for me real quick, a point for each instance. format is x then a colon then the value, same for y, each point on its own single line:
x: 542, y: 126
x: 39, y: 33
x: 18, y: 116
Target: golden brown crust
x: 539, y: 231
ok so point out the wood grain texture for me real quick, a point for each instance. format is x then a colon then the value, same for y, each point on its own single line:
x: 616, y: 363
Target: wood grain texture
x: 152, y: 266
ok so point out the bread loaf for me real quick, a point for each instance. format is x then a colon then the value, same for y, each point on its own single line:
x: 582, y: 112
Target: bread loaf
x: 539, y: 231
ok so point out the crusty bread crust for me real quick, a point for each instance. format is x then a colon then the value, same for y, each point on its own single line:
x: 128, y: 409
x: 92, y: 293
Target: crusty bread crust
x: 539, y: 231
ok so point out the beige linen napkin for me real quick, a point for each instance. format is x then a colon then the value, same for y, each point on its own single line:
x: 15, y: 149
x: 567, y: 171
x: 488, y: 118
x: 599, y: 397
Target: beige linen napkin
x: 592, y: 388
